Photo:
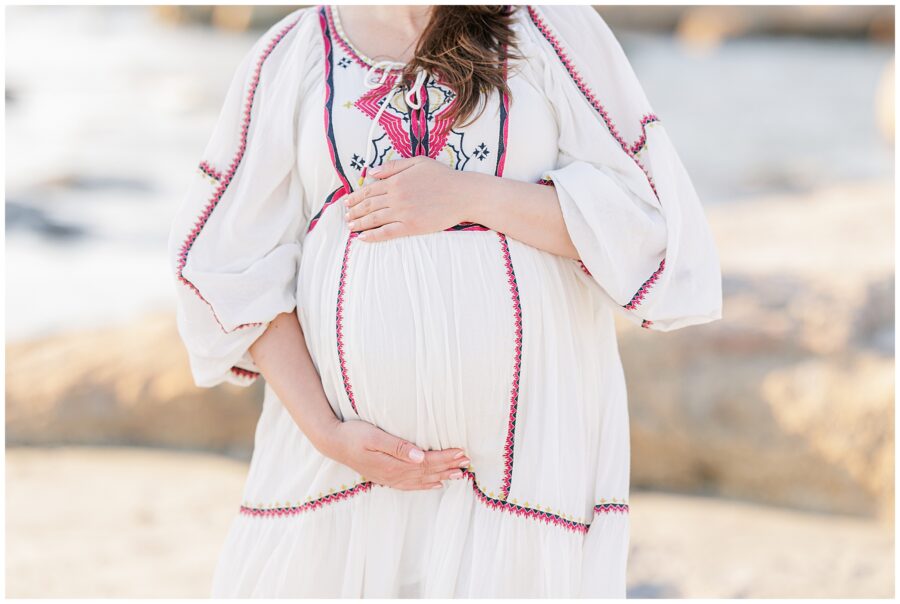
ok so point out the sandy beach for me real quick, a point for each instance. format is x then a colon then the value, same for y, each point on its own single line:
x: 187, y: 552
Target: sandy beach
x: 788, y: 401
x: 130, y: 522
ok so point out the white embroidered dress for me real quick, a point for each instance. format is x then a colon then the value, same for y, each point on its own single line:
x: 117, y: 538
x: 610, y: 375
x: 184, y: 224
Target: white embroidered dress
x: 461, y: 338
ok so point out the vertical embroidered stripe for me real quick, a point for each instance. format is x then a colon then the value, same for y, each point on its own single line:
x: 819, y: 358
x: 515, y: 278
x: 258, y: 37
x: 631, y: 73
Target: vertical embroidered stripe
x: 339, y: 322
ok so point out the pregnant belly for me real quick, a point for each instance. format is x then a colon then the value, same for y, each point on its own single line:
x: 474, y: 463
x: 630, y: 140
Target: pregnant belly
x: 429, y: 333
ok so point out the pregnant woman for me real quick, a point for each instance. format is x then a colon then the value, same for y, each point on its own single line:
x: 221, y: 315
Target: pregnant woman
x: 416, y: 224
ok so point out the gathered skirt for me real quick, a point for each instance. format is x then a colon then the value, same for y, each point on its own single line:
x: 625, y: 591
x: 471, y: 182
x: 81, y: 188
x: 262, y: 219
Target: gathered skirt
x: 454, y: 339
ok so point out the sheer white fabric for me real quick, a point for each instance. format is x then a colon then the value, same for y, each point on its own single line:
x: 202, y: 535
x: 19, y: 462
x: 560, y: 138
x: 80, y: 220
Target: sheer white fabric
x: 462, y: 338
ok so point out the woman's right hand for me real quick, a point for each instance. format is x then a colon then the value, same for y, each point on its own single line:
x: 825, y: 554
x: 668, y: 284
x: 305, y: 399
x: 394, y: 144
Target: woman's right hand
x: 391, y: 461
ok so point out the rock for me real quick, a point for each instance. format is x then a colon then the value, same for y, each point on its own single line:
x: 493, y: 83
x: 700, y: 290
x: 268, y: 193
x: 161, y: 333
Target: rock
x: 122, y: 385
x: 789, y: 398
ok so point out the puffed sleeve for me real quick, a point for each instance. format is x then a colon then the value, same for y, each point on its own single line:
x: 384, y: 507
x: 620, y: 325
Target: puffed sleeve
x: 235, y: 241
x: 628, y: 203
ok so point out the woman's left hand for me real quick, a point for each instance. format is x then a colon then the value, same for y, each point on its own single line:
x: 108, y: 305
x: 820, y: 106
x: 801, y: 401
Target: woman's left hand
x: 411, y: 196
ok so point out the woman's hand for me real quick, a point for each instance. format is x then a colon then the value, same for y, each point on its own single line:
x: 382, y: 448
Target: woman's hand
x: 418, y: 195
x: 412, y: 196
x: 391, y: 461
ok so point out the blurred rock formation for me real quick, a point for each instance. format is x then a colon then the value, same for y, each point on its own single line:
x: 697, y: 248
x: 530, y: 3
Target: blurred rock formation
x: 788, y: 399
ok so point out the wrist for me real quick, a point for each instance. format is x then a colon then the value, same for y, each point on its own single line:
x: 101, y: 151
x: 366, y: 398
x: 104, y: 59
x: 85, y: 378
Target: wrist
x: 473, y: 195
x: 326, y: 438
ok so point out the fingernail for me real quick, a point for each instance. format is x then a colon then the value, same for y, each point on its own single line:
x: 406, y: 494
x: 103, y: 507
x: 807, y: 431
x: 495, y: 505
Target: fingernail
x: 464, y: 462
x: 438, y: 486
x: 363, y: 236
x: 456, y: 474
x: 416, y: 455
x: 375, y: 170
x: 351, y: 224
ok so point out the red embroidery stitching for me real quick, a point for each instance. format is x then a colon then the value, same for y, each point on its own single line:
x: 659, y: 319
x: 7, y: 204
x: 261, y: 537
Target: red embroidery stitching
x: 514, y: 394
x: 244, y: 373
x: 332, y: 197
x: 544, y: 516
x: 226, y: 179
x: 642, y: 291
x: 642, y: 140
x: 630, y: 150
x: 606, y: 508
x: 587, y: 92
x: 210, y: 171
x: 339, y: 322
x: 310, y: 505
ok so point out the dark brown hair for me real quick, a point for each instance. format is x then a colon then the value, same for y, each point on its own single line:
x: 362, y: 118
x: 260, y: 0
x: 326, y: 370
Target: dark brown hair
x: 466, y: 47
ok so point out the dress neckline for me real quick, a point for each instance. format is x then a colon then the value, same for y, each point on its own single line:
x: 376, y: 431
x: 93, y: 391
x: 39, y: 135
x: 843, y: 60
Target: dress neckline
x: 349, y: 46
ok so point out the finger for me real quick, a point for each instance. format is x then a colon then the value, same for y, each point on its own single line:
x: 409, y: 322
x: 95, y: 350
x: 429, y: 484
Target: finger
x: 373, y: 220
x: 452, y: 474
x: 387, y: 231
x: 393, y: 166
x: 444, y: 459
x: 398, y: 448
x: 418, y: 485
x: 374, y: 188
x: 371, y: 203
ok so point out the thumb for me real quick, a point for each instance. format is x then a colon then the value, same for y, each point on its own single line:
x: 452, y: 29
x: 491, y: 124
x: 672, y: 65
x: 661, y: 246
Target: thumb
x: 400, y: 448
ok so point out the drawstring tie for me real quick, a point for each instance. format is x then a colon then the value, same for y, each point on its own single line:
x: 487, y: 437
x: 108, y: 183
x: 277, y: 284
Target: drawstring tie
x: 385, y: 65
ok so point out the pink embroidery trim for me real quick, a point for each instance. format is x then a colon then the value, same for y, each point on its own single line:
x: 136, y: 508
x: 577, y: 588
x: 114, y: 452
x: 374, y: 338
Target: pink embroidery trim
x: 310, y: 505
x: 468, y: 226
x: 630, y: 150
x: 541, y: 515
x: 584, y: 268
x: 335, y: 195
x: 226, y: 178
x: 501, y: 163
x: 606, y: 508
x: 339, y: 322
x: 210, y: 171
x: 491, y: 502
x: 588, y: 93
x: 244, y: 373
x: 642, y: 140
x: 514, y: 394
x: 329, y: 96
x: 636, y: 299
